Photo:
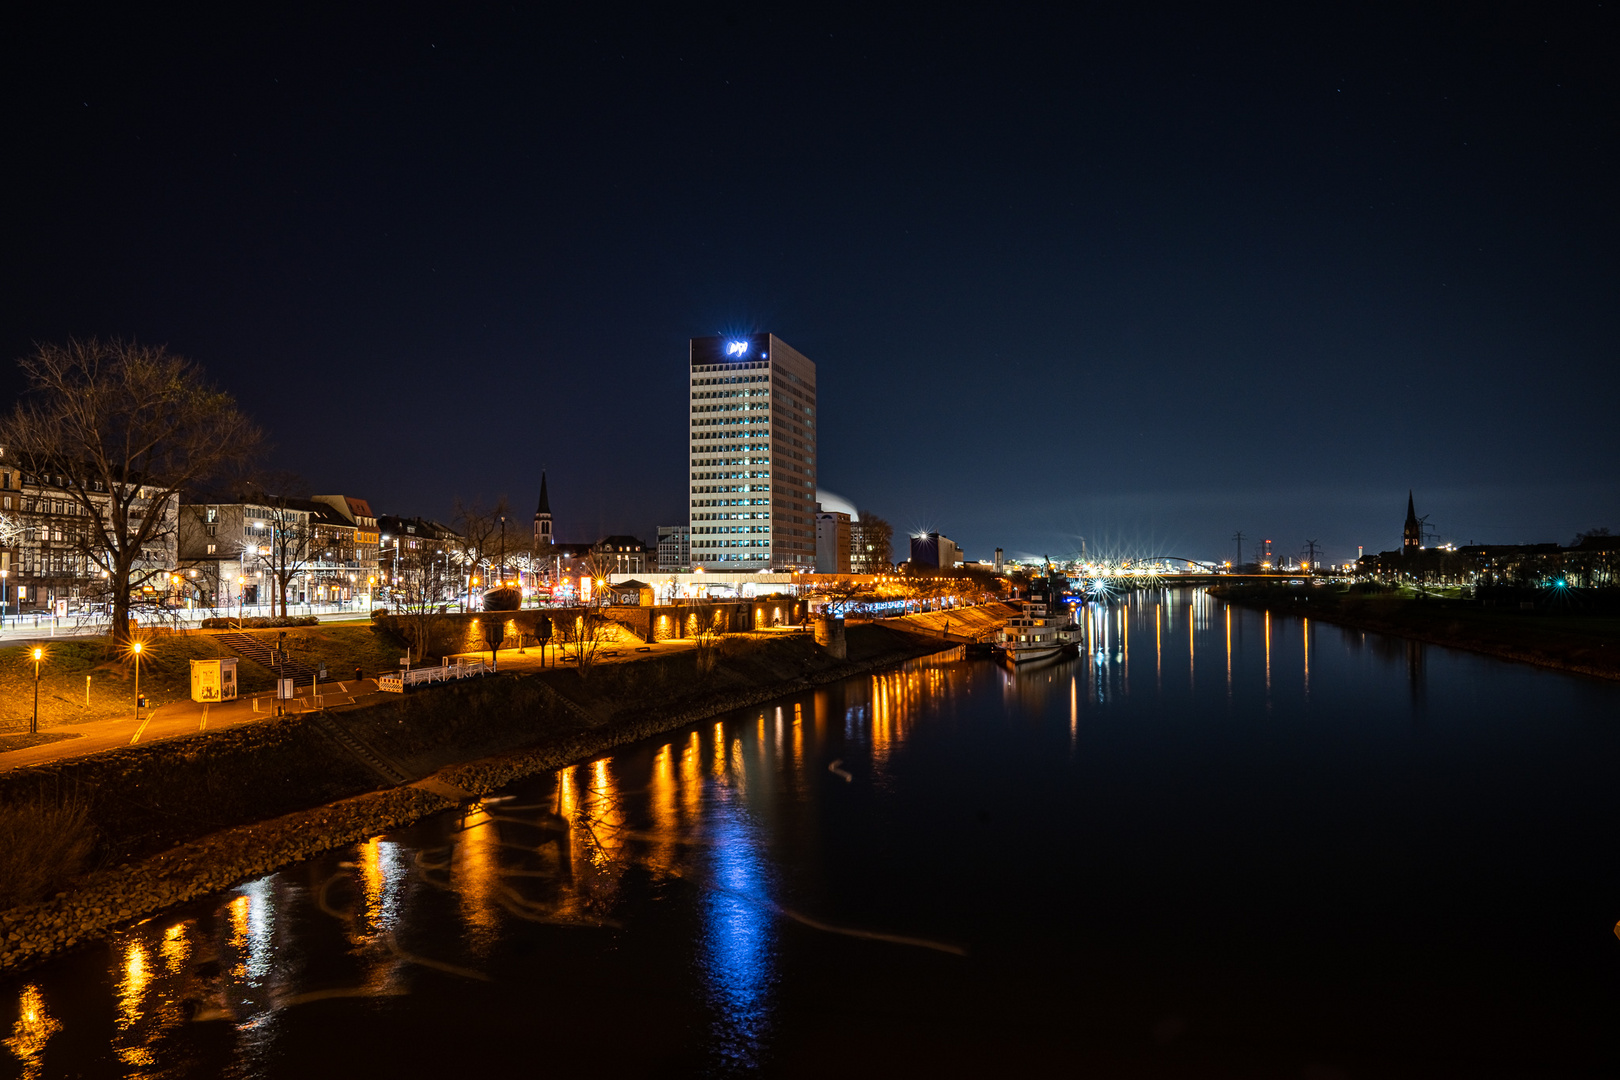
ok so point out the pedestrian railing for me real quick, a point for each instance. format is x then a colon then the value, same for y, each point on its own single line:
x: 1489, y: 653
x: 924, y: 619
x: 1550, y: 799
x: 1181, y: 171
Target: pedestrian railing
x: 462, y: 669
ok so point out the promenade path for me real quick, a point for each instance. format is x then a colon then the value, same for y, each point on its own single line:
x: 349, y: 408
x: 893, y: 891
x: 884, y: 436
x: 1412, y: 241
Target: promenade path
x: 178, y: 719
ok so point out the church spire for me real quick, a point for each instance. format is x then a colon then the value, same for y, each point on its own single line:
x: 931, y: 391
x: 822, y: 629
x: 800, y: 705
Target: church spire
x: 542, y: 516
x: 1412, y: 534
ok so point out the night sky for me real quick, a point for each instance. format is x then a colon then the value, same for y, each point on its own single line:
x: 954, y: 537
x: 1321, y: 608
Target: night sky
x: 1140, y: 275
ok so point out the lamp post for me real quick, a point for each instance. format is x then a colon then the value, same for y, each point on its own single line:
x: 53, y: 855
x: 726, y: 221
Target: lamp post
x: 3, y: 599
x: 33, y: 726
x: 134, y: 647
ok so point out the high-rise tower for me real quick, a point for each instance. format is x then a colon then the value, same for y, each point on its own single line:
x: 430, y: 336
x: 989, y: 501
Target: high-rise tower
x: 1412, y: 534
x: 752, y: 454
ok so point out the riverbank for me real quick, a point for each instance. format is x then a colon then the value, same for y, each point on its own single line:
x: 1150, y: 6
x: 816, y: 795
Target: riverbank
x: 186, y: 817
x: 1567, y: 640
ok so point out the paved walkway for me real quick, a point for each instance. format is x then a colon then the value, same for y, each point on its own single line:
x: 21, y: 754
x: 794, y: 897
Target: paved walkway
x: 179, y: 718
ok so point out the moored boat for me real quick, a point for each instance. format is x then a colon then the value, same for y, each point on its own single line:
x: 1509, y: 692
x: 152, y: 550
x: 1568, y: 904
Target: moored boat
x: 1040, y: 630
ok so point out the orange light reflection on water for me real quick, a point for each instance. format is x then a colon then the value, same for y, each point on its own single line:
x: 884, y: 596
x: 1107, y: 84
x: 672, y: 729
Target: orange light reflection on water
x: 663, y: 809
x: 476, y: 879
x: 1268, y: 652
x: 1228, y: 651
x: 131, y: 998
x: 33, y: 1029
x: 692, y: 778
x: 176, y: 947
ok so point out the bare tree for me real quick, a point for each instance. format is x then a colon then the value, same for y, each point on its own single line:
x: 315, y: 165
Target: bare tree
x: 877, y: 538
x: 282, y: 547
x: 477, y: 528
x: 704, y: 622
x: 11, y: 534
x: 421, y: 590
x: 587, y: 633
x: 123, y: 429
x: 843, y: 595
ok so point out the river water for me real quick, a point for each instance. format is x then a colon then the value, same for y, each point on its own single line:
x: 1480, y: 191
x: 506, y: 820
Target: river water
x: 1219, y: 843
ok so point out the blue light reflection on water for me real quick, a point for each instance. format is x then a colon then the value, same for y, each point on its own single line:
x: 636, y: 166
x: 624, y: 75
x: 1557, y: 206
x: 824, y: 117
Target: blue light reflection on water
x: 738, y: 955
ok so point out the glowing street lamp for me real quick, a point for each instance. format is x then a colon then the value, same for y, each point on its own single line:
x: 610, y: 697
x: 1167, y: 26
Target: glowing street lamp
x: 135, y: 648
x: 33, y: 726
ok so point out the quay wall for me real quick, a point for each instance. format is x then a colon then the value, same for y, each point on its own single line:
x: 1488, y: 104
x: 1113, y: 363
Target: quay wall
x: 454, y: 633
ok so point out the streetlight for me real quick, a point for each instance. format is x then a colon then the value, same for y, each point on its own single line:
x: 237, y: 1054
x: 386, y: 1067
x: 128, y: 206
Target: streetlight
x: 33, y: 726
x: 134, y: 647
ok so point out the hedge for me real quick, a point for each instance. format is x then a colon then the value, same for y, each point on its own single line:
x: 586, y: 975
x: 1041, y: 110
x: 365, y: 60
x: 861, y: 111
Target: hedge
x: 259, y: 622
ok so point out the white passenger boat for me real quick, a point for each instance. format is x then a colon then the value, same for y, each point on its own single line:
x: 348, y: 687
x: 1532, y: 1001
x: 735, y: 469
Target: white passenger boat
x: 1041, y: 630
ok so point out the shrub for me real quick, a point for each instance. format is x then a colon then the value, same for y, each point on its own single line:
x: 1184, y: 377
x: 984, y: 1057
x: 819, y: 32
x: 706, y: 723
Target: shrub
x: 260, y: 622
x: 42, y: 848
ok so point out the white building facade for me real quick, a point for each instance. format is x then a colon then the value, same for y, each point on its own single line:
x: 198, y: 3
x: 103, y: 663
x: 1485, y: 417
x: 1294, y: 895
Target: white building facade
x: 752, y: 455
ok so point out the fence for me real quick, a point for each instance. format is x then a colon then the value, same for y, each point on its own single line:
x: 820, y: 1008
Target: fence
x: 463, y: 668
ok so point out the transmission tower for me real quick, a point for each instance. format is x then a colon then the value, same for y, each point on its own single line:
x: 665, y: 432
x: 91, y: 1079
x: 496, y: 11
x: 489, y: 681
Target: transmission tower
x: 1239, y: 538
x: 1310, y: 552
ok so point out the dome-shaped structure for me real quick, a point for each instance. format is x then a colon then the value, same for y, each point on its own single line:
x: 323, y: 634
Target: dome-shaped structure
x: 836, y: 504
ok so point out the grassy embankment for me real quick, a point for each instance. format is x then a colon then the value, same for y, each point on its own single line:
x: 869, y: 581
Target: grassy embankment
x: 1559, y: 638
x: 165, y: 674
x: 175, y: 818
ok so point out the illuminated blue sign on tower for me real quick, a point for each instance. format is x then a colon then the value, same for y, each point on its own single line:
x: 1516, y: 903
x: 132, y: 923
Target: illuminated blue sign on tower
x: 737, y: 349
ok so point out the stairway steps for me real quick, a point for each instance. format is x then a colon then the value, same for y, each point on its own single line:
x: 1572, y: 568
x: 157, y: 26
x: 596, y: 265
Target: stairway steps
x: 255, y: 649
x: 368, y: 756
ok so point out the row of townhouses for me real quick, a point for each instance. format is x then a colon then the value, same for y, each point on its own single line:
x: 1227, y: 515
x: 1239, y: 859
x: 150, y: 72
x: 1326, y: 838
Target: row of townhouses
x: 253, y: 551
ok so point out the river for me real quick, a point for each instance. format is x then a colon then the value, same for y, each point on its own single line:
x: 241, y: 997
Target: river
x: 1219, y: 843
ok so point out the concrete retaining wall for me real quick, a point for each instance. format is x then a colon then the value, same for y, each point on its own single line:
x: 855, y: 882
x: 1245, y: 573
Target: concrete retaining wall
x: 454, y: 633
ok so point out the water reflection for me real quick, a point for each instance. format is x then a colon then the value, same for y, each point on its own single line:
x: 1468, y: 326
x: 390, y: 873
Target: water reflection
x: 474, y: 879
x: 728, y: 839
x: 739, y: 938
x: 32, y: 1030
x: 1228, y: 652
x: 1305, y: 643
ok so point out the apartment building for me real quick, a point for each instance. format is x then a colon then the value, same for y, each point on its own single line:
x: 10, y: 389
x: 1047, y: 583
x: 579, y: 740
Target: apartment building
x: 231, y: 552
x: 51, y: 555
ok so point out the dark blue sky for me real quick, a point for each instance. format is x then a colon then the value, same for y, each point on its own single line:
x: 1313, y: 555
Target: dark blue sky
x: 1145, y: 277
